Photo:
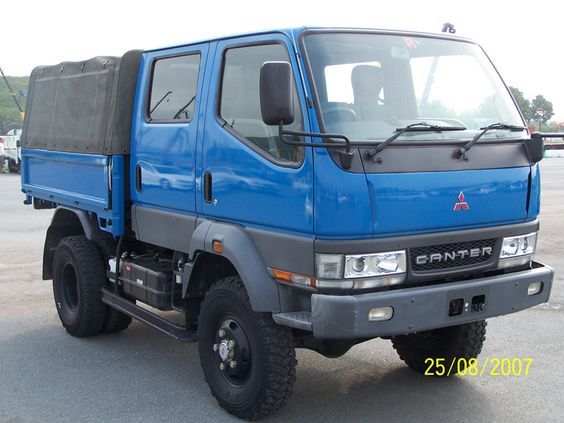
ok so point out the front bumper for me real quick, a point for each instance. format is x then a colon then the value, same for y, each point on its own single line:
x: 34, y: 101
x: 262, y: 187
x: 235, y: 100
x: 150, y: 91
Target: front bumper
x: 429, y: 307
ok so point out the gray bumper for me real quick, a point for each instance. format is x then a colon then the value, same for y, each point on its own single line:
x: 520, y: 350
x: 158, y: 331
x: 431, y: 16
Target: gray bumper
x: 423, y: 308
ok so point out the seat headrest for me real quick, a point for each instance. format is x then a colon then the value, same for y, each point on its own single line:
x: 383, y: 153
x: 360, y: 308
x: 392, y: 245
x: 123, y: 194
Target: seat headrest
x: 367, y: 80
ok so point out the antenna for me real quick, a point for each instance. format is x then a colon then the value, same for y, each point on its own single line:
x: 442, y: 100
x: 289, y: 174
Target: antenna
x: 448, y: 27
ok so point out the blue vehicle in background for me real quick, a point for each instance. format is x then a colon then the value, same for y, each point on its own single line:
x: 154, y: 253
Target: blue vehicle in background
x: 304, y: 188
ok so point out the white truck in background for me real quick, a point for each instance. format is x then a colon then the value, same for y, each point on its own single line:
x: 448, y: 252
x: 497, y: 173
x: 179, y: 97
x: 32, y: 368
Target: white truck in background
x: 12, y: 150
x: 2, y: 155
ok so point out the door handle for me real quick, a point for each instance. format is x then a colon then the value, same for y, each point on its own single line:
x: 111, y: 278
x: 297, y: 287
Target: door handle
x: 208, y: 187
x: 138, y: 182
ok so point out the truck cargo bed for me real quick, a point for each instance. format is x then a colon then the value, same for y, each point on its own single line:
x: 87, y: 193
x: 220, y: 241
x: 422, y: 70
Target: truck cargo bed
x: 91, y: 182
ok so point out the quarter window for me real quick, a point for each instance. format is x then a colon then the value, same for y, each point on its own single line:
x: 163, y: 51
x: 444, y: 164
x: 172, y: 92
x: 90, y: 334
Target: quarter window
x: 240, y: 100
x: 173, y: 88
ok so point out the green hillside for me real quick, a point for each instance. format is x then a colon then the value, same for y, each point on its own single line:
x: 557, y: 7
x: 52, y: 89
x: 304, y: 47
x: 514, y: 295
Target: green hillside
x: 9, y: 116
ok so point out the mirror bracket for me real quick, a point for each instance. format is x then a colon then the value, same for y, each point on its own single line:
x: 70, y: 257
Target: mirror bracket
x: 345, y: 156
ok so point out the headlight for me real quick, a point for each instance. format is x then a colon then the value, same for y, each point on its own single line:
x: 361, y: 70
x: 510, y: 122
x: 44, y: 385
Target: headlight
x: 518, y: 246
x: 360, y: 271
x: 362, y: 266
x: 517, y: 250
x: 329, y: 266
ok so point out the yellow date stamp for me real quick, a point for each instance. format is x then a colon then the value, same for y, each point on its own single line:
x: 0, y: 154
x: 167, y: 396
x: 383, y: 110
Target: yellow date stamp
x: 489, y: 366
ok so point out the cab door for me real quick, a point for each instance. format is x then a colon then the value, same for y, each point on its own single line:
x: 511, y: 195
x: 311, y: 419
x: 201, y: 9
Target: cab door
x: 247, y: 174
x: 166, y: 129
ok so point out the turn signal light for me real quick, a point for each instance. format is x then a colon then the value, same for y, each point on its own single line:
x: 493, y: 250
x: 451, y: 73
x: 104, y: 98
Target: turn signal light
x: 294, y: 278
x: 217, y: 246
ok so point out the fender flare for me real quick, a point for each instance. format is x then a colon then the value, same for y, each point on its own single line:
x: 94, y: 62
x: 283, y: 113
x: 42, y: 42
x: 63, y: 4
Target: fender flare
x: 67, y: 221
x: 240, y: 250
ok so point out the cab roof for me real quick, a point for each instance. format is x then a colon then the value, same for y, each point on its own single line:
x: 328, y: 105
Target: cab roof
x: 295, y: 32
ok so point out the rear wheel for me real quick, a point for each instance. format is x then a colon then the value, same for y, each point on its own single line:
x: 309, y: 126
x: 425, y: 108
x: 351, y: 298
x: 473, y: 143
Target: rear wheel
x: 455, y: 344
x: 248, y: 361
x: 78, y: 278
x: 115, y: 321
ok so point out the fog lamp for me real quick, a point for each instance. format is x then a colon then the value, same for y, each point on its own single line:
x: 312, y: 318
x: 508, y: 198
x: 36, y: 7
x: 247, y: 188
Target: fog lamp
x: 380, y: 314
x: 534, y: 288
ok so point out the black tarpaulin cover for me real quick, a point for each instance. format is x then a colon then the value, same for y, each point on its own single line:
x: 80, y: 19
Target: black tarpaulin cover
x: 82, y: 107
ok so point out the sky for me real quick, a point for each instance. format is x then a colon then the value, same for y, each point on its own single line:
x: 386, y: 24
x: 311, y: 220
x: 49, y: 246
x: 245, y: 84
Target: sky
x: 523, y: 39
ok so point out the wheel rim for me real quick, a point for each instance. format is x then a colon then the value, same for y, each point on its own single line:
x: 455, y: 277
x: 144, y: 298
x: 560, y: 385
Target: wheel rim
x: 70, y: 287
x: 232, y: 352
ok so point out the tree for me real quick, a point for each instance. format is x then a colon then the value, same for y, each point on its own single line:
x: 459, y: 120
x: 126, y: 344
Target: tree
x: 542, y: 110
x: 9, y: 114
x: 523, y: 103
x: 438, y: 108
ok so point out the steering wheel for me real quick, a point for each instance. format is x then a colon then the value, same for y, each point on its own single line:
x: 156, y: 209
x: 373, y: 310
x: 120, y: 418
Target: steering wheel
x: 339, y: 114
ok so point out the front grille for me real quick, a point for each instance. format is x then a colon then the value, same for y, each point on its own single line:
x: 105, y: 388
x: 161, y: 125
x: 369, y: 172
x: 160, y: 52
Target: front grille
x: 448, y: 262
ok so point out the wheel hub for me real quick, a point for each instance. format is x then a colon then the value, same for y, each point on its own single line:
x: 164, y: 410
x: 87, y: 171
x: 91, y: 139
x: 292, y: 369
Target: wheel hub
x: 70, y: 287
x: 224, y: 350
x: 232, y: 351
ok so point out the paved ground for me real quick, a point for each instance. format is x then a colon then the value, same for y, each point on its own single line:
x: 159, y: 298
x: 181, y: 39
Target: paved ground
x: 140, y: 375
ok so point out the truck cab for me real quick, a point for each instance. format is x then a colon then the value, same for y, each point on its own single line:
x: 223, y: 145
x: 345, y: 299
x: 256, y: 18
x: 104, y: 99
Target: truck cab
x: 12, y: 150
x: 309, y: 187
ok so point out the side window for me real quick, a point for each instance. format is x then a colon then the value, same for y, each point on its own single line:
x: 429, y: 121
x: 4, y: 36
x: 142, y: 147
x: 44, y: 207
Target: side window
x: 240, y: 100
x: 173, y: 88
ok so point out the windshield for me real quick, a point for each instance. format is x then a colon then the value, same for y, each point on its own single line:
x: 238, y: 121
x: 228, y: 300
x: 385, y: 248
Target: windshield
x: 368, y: 85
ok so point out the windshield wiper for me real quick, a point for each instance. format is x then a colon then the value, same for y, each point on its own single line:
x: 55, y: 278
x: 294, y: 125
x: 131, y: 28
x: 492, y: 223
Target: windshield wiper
x: 461, y: 152
x: 345, y: 149
x: 183, y: 108
x: 160, y: 101
x: 414, y: 127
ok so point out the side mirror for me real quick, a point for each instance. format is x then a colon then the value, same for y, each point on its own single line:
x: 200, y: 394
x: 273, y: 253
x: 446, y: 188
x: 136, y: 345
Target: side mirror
x: 276, y: 93
x: 535, y: 147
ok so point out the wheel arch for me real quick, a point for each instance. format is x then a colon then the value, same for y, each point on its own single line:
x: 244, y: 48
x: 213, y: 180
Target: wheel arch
x: 67, y: 221
x: 240, y: 252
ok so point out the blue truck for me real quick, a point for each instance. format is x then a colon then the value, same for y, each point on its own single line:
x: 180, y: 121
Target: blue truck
x: 299, y: 188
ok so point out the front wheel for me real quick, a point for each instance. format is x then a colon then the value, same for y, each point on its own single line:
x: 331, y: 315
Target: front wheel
x: 248, y: 361
x: 455, y: 344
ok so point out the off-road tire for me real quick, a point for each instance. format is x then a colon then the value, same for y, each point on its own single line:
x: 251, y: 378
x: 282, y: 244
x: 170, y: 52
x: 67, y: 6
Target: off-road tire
x: 78, y: 278
x: 271, y: 372
x: 115, y: 321
x: 455, y: 344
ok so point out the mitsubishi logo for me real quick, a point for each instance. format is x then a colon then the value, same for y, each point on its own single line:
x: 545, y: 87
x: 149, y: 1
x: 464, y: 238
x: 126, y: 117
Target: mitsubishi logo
x: 462, y: 204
